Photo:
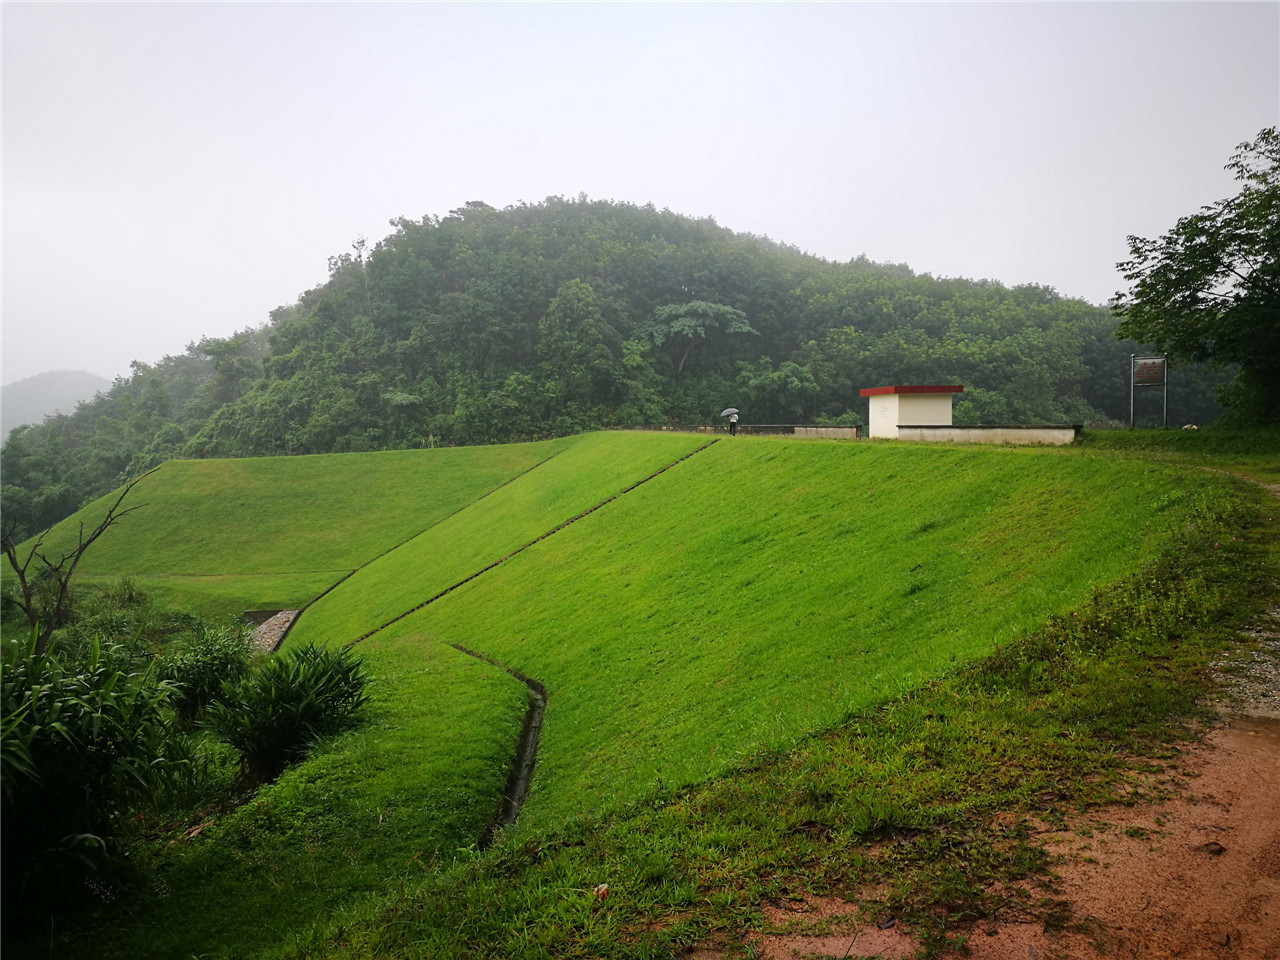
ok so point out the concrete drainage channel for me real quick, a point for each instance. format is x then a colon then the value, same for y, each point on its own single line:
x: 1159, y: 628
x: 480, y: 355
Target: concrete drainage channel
x: 517, y: 788
x: 270, y: 627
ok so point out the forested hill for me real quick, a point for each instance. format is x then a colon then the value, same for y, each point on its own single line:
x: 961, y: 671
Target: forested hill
x: 541, y: 319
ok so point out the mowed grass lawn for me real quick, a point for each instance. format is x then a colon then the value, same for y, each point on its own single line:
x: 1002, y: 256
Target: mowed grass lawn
x: 231, y: 594
x: 230, y: 535
x: 1254, y: 453
x: 756, y: 592
x: 589, y: 469
x: 766, y: 588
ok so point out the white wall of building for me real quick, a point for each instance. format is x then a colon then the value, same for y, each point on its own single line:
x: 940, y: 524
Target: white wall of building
x: 886, y: 411
x: 924, y: 408
x: 882, y: 415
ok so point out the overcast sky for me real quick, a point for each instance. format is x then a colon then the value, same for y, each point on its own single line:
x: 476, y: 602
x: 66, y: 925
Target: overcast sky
x: 173, y: 171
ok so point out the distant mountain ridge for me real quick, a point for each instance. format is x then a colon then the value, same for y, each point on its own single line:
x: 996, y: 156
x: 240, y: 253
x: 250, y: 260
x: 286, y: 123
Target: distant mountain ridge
x: 57, y: 391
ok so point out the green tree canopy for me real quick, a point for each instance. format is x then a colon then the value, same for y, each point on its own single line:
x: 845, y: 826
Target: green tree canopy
x: 538, y: 320
x: 1209, y: 289
x: 684, y: 325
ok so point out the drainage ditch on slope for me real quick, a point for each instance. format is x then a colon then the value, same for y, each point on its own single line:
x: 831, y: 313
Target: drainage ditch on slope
x: 517, y: 787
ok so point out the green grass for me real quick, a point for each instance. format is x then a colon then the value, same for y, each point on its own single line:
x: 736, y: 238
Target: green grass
x: 298, y: 522
x: 232, y: 594
x: 591, y: 469
x: 767, y: 588
x: 761, y: 665
x: 900, y: 799
x: 1251, y: 452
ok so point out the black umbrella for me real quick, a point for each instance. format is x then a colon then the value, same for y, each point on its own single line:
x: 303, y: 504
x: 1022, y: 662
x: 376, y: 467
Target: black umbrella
x: 728, y: 410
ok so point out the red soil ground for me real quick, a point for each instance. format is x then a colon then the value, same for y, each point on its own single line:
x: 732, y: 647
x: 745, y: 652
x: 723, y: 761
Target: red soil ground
x: 1194, y: 876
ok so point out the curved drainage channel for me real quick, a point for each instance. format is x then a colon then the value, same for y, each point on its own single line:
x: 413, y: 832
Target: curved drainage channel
x: 517, y: 788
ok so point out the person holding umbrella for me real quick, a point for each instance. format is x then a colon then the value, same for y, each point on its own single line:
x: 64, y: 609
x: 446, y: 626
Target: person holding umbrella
x: 732, y: 414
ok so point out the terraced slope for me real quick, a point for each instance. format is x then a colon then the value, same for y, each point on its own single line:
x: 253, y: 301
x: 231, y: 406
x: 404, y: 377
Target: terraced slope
x: 584, y: 473
x: 230, y: 535
x: 756, y: 591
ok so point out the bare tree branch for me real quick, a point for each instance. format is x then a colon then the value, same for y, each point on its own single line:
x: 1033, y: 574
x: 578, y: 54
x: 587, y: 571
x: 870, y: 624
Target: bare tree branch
x: 44, y: 617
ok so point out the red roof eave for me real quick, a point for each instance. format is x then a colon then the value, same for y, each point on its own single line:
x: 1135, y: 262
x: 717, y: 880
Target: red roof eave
x: 938, y: 388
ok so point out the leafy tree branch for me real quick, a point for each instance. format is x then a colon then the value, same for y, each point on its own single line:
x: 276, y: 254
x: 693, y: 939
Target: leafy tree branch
x: 1209, y: 289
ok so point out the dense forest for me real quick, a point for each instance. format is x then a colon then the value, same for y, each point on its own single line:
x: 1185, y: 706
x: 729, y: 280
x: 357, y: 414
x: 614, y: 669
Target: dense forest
x: 490, y: 325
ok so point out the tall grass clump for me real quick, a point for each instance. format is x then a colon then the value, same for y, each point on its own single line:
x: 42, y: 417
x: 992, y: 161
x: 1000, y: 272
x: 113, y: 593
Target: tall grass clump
x: 82, y: 742
x: 123, y: 614
x: 214, y: 655
x: 272, y: 716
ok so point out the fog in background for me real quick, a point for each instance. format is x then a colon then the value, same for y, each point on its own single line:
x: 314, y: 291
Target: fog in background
x: 173, y: 171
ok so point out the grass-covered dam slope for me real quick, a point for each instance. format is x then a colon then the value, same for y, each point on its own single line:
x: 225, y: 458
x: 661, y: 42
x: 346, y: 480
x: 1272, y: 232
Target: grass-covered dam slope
x: 591, y: 469
x: 740, y: 597
x: 229, y: 535
x: 765, y: 588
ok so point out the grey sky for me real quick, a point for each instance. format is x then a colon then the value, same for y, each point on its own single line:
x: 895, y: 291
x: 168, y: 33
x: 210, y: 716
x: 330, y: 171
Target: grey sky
x: 178, y: 170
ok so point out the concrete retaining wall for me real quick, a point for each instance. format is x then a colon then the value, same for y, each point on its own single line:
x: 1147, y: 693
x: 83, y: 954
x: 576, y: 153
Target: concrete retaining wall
x: 938, y: 433
x: 765, y: 430
x: 826, y: 433
x: 1056, y: 433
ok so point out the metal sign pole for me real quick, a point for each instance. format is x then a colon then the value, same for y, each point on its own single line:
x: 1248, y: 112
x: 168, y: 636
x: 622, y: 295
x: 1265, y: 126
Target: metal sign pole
x: 1166, y: 391
x: 1132, y: 387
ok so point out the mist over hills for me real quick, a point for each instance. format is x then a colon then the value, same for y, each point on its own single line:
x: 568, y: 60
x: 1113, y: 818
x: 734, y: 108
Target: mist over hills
x: 542, y: 320
x: 46, y: 394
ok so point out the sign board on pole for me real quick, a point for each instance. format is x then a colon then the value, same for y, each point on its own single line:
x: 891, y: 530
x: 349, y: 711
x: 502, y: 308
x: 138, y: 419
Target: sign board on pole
x: 1149, y: 371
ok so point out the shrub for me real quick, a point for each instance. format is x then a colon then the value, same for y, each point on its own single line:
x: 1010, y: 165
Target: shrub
x: 125, y: 592
x: 201, y: 665
x: 124, y: 614
x: 846, y: 419
x: 81, y: 741
x: 272, y: 716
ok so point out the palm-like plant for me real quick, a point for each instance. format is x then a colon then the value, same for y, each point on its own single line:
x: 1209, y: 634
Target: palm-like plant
x: 272, y: 716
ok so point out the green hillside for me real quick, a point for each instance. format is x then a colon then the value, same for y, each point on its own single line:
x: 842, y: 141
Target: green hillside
x: 587, y: 471
x: 223, y: 536
x: 721, y: 602
x: 765, y: 588
x: 542, y: 320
